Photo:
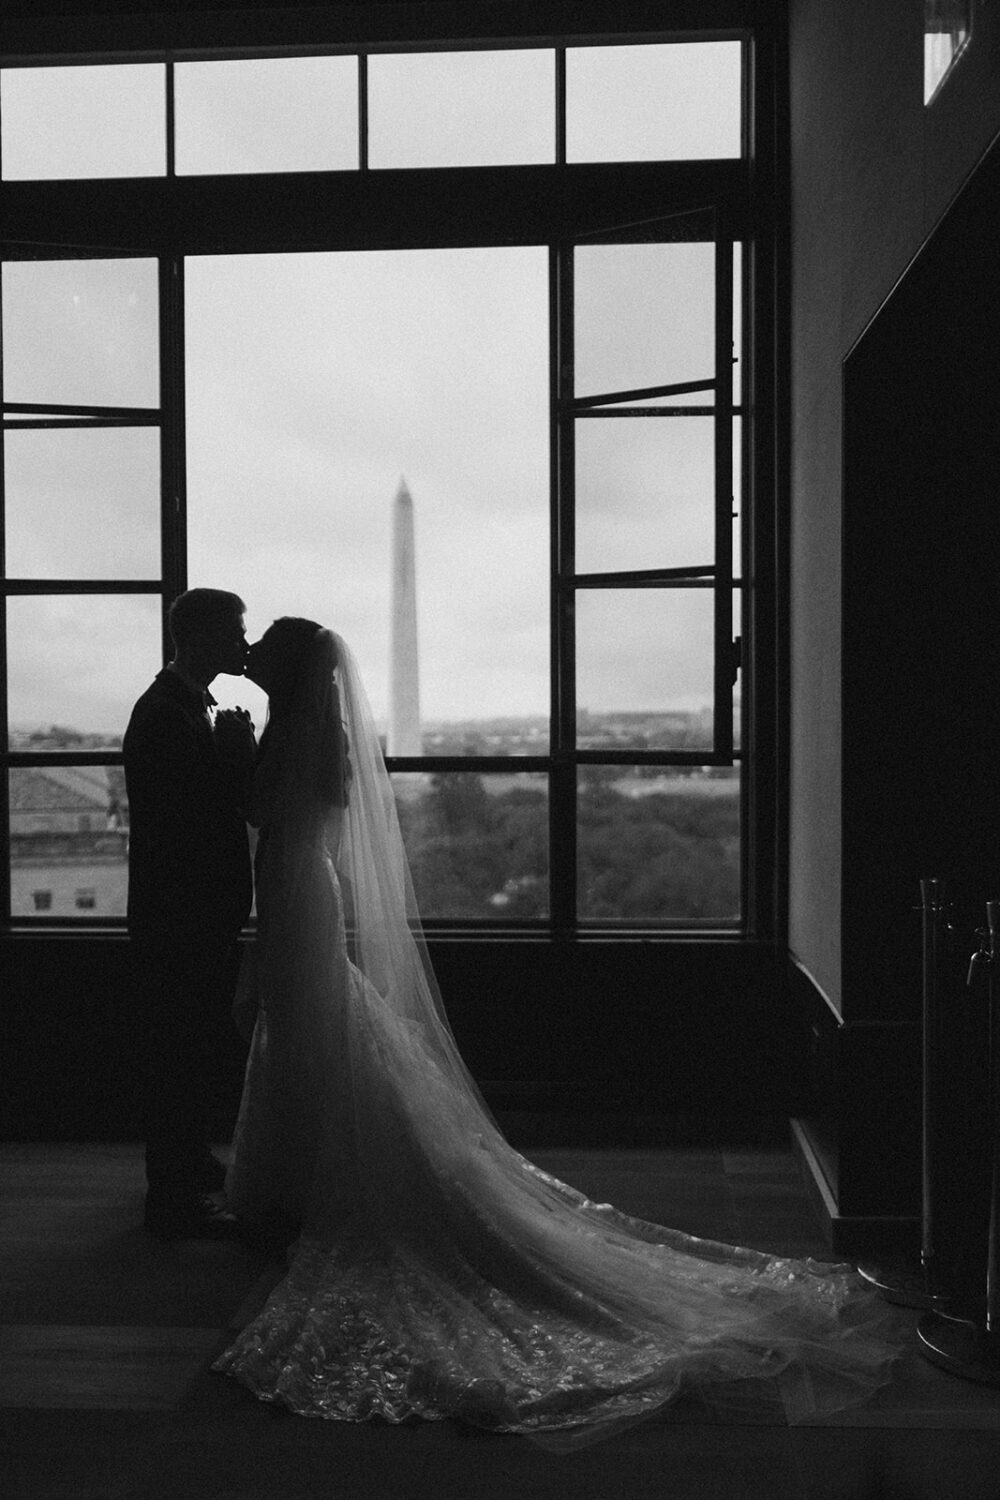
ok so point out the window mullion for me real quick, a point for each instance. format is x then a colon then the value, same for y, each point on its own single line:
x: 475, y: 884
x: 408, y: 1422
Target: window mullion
x: 560, y: 102
x: 723, y: 667
x: 5, y: 850
x: 363, y: 111
x: 171, y: 121
x: 173, y: 509
x: 644, y: 393
x: 19, y: 587
x: 562, y: 787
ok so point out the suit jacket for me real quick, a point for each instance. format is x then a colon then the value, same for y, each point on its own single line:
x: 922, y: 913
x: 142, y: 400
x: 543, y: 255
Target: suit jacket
x: 190, y: 877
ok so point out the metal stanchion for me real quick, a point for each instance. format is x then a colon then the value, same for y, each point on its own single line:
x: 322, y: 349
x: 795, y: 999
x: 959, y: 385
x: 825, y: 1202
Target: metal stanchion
x: 969, y: 1346
x: 902, y: 1279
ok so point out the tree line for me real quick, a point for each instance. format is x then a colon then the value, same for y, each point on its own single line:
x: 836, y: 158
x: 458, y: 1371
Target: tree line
x: 663, y: 855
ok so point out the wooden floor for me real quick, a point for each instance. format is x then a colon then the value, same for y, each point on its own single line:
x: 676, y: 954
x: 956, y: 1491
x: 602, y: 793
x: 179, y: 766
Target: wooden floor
x: 107, y: 1338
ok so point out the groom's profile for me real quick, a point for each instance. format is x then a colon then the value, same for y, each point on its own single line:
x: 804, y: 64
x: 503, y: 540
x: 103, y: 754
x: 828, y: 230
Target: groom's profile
x: 187, y: 772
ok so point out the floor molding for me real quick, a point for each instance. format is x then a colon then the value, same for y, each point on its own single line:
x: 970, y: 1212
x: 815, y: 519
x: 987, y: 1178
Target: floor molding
x: 847, y: 1234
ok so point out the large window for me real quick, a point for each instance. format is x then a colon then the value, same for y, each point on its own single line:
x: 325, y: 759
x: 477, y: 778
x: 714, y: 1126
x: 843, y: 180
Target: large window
x: 551, y: 402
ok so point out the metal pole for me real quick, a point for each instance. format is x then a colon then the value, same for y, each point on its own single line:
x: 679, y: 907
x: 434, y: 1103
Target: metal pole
x: 966, y: 1346
x: 906, y: 1279
x: 993, y: 1253
x: 933, y: 906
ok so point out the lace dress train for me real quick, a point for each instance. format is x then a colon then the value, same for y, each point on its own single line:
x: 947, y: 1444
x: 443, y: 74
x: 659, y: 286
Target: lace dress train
x: 441, y: 1274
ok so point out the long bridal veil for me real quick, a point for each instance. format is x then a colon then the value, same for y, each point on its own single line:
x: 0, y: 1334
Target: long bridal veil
x: 439, y: 1273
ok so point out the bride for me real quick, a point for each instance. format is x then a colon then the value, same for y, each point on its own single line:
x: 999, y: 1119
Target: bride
x: 436, y: 1272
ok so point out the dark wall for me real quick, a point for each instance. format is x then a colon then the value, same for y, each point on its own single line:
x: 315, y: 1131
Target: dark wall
x: 872, y: 171
x: 921, y: 583
x: 600, y: 1029
x: 891, y: 541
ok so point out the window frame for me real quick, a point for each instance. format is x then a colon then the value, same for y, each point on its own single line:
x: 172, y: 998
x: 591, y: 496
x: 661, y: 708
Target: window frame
x: 548, y: 196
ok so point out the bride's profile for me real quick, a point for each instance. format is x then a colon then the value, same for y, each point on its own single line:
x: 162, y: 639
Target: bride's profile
x: 435, y: 1272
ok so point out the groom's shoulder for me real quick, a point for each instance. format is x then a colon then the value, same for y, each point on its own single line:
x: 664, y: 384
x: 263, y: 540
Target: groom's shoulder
x: 160, y: 706
x: 156, y: 696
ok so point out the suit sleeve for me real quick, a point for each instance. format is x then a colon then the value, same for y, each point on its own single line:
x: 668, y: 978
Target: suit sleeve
x: 188, y: 855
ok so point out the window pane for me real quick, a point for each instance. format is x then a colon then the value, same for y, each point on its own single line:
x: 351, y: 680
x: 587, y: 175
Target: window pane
x: 659, y: 845
x: 287, y: 114
x: 81, y: 332
x: 644, y: 315
x: 645, y: 493
x: 68, y: 841
x: 645, y: 669
x: 477, y: 844
x: 84, y: 121
x: 679, y: 101
x: 314, y: 383
x: 83, y: 502
x: 76, y: 665
x: 454, y: 109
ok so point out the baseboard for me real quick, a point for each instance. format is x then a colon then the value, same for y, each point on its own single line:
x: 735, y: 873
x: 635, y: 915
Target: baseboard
x: 849, y: 1234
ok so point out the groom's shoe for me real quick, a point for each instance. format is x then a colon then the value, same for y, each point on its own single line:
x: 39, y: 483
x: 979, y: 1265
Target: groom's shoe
x: 194, y: 1217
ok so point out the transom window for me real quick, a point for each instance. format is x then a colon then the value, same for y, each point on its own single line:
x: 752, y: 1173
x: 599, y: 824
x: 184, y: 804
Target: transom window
x: 561, y: 411
x: 672, y: 101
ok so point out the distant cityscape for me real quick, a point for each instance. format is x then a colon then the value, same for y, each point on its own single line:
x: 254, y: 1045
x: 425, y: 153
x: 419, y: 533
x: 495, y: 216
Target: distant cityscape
x: 673, y: 729
x: 69, y: 824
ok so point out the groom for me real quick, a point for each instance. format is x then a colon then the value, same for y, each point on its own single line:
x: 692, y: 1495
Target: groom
x: 187, y: 773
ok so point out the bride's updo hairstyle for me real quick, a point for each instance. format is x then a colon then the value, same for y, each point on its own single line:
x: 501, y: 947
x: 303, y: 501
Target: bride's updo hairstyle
x: 305, y: 658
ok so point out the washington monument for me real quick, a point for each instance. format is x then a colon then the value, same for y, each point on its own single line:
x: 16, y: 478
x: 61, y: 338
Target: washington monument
x: 404, y: 736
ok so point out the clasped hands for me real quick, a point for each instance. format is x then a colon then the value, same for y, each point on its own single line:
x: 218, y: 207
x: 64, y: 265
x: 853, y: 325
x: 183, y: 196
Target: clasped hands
x: 234, y: 734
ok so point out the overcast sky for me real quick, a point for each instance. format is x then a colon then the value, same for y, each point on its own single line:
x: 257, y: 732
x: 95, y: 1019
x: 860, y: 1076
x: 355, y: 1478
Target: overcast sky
x: 315, y: 383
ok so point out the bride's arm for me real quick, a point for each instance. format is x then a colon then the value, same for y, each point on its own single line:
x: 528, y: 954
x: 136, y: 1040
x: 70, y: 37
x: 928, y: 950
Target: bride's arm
x: 267, y: 775
x: 300, y: 767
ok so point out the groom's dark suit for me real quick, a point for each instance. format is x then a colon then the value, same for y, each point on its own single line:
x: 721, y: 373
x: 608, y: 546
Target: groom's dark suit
x: 190, y: 891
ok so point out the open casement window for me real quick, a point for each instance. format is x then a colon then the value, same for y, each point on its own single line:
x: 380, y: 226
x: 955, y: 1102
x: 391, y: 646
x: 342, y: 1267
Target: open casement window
x: 93, y: 516
x: 648, y: 439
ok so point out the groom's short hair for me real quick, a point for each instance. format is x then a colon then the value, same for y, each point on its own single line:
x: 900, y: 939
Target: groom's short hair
x: 200, y: 611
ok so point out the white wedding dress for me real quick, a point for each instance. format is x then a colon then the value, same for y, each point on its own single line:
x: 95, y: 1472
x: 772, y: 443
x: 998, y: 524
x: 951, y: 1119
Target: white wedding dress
x: 438, y: 1272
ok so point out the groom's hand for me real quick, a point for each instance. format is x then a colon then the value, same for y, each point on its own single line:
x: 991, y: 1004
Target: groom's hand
x: 234, y: 736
